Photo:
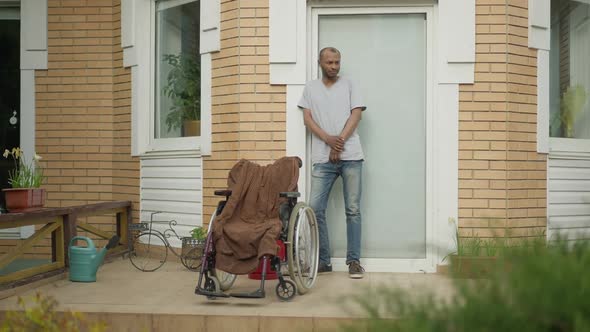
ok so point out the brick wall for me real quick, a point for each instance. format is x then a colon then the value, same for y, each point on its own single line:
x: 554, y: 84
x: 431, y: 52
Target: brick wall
x: 249, y: 119
x: 527, y: 170
x: 125, y: 169
x: 83, y: 115
x: 502, y: 179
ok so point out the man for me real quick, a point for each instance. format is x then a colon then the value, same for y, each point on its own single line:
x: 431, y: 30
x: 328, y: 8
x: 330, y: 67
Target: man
x: 332, y: 109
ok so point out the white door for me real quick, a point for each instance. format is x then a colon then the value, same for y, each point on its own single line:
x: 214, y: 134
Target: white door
x: 10, y: 108
x: 386, y: 51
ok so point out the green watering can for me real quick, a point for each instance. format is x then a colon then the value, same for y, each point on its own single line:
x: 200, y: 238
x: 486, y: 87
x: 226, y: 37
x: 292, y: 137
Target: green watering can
x: 84, y: 261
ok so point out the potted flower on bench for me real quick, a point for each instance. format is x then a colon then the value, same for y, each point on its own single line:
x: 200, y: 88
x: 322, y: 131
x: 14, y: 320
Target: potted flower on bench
x: 25, y: 180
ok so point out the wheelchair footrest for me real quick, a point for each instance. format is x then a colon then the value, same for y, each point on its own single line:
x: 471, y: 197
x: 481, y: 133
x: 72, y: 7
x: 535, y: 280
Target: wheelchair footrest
x: 258, y: 294
x: 207, y: 293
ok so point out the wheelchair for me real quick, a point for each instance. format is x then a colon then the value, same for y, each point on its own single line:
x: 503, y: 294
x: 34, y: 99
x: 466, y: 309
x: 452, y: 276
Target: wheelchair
x: 298, y: 239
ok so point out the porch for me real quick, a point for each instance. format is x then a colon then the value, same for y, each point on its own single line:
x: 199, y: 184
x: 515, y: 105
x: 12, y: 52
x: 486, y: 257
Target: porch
x: 131, y: 300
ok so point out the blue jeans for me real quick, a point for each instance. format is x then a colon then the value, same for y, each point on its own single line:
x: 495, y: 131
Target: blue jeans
x: 323, y: 177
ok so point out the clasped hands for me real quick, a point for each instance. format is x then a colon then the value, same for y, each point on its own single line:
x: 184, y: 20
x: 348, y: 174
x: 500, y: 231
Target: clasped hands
x: 336, y: 144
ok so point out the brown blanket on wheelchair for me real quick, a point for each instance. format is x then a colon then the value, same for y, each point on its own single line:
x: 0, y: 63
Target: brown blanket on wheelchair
x: 249, y: 225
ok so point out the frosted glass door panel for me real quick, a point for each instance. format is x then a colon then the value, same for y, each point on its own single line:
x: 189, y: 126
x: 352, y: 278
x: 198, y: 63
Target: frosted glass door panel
x: 386, y: 55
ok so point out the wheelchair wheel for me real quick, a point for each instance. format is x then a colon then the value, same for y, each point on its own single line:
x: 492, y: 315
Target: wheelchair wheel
x: 212, y: 285
x: 286, y: 293
x: 192, y: 259
x: 225, y: 279
x: 149, y: 252
x: 303, y: 247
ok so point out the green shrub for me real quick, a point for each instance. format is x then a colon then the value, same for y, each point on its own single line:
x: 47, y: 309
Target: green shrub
x: 538, y: 288
x: 41, y: 316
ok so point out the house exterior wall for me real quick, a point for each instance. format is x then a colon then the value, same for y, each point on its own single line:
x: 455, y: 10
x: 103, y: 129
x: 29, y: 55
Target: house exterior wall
x: 83, y: 116
x: 502, y: 178
x: 248, y: 114
x: 83, y: 111
x: 83, y: 108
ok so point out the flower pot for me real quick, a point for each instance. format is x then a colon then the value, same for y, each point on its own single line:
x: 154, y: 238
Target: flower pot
x: 24, y: 199
x: 192, y: 251
x: 191, y: 128
x: 473, y: 266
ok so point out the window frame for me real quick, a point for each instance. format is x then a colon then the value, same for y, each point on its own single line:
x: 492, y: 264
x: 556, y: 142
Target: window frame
x: 564, y: 146
x: 199, y: 144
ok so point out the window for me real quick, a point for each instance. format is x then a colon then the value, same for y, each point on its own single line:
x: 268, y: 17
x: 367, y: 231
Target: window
x: 177, y: 70
x: 570, y: 69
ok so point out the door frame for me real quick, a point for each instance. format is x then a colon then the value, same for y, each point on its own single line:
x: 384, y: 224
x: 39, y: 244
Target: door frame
x: 427, y: 264
x: 35, y: 23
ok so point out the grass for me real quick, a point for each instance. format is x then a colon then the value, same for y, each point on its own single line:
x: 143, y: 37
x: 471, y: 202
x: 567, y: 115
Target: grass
x: 492, y: 247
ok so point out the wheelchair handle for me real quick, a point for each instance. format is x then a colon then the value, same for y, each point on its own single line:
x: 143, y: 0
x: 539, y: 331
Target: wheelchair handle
x: 223, y: 192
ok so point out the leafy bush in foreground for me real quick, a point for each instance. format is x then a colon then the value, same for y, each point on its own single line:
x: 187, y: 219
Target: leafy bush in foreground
x: 41, y: 316
x: 534, y: 288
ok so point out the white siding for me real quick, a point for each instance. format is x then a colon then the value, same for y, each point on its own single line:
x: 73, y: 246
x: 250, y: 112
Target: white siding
x: 172, y: 185
x: 569, y: 198
x: 10, y: 233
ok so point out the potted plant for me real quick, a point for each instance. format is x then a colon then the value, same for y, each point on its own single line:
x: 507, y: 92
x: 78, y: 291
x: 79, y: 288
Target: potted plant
x: 25, y: 180
x: 572, y: 103
x: 183, y: 87
x: 475, y: 257
x: 198, y: 233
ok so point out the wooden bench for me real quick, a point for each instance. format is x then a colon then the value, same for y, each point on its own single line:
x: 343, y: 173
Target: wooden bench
x: 62, y: 225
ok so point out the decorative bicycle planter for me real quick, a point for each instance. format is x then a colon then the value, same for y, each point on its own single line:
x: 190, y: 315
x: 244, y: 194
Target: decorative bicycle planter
x: 149, y: 249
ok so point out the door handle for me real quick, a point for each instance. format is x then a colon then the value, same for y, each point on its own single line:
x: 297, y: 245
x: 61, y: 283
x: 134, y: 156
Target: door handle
x: 13, y: 119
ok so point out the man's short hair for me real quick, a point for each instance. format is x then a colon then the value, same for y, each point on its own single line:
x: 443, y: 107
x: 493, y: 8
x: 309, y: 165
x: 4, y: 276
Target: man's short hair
x: 329, y: 48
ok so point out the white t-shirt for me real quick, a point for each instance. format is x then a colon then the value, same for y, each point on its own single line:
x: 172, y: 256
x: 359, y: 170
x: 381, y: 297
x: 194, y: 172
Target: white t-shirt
x: 330, y: 109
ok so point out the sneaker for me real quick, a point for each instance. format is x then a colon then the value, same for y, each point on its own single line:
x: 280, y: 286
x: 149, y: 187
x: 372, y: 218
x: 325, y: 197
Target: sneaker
x: 355, y: 270
x: 323, y: 267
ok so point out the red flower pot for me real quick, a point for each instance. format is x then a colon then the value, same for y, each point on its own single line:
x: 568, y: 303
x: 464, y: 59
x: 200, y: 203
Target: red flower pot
x: 24, y: 199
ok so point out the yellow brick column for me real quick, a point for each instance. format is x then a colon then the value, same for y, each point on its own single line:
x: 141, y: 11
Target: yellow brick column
x: 527, y: 169
x: 501, y: 177
x: 262, y: 106
x: 225, y: 108
x: 482, y: 129
x: 249, y: 117
x: 83, y: 115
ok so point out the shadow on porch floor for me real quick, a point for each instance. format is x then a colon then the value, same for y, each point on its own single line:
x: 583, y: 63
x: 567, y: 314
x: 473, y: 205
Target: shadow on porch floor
x: 131, y: 300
